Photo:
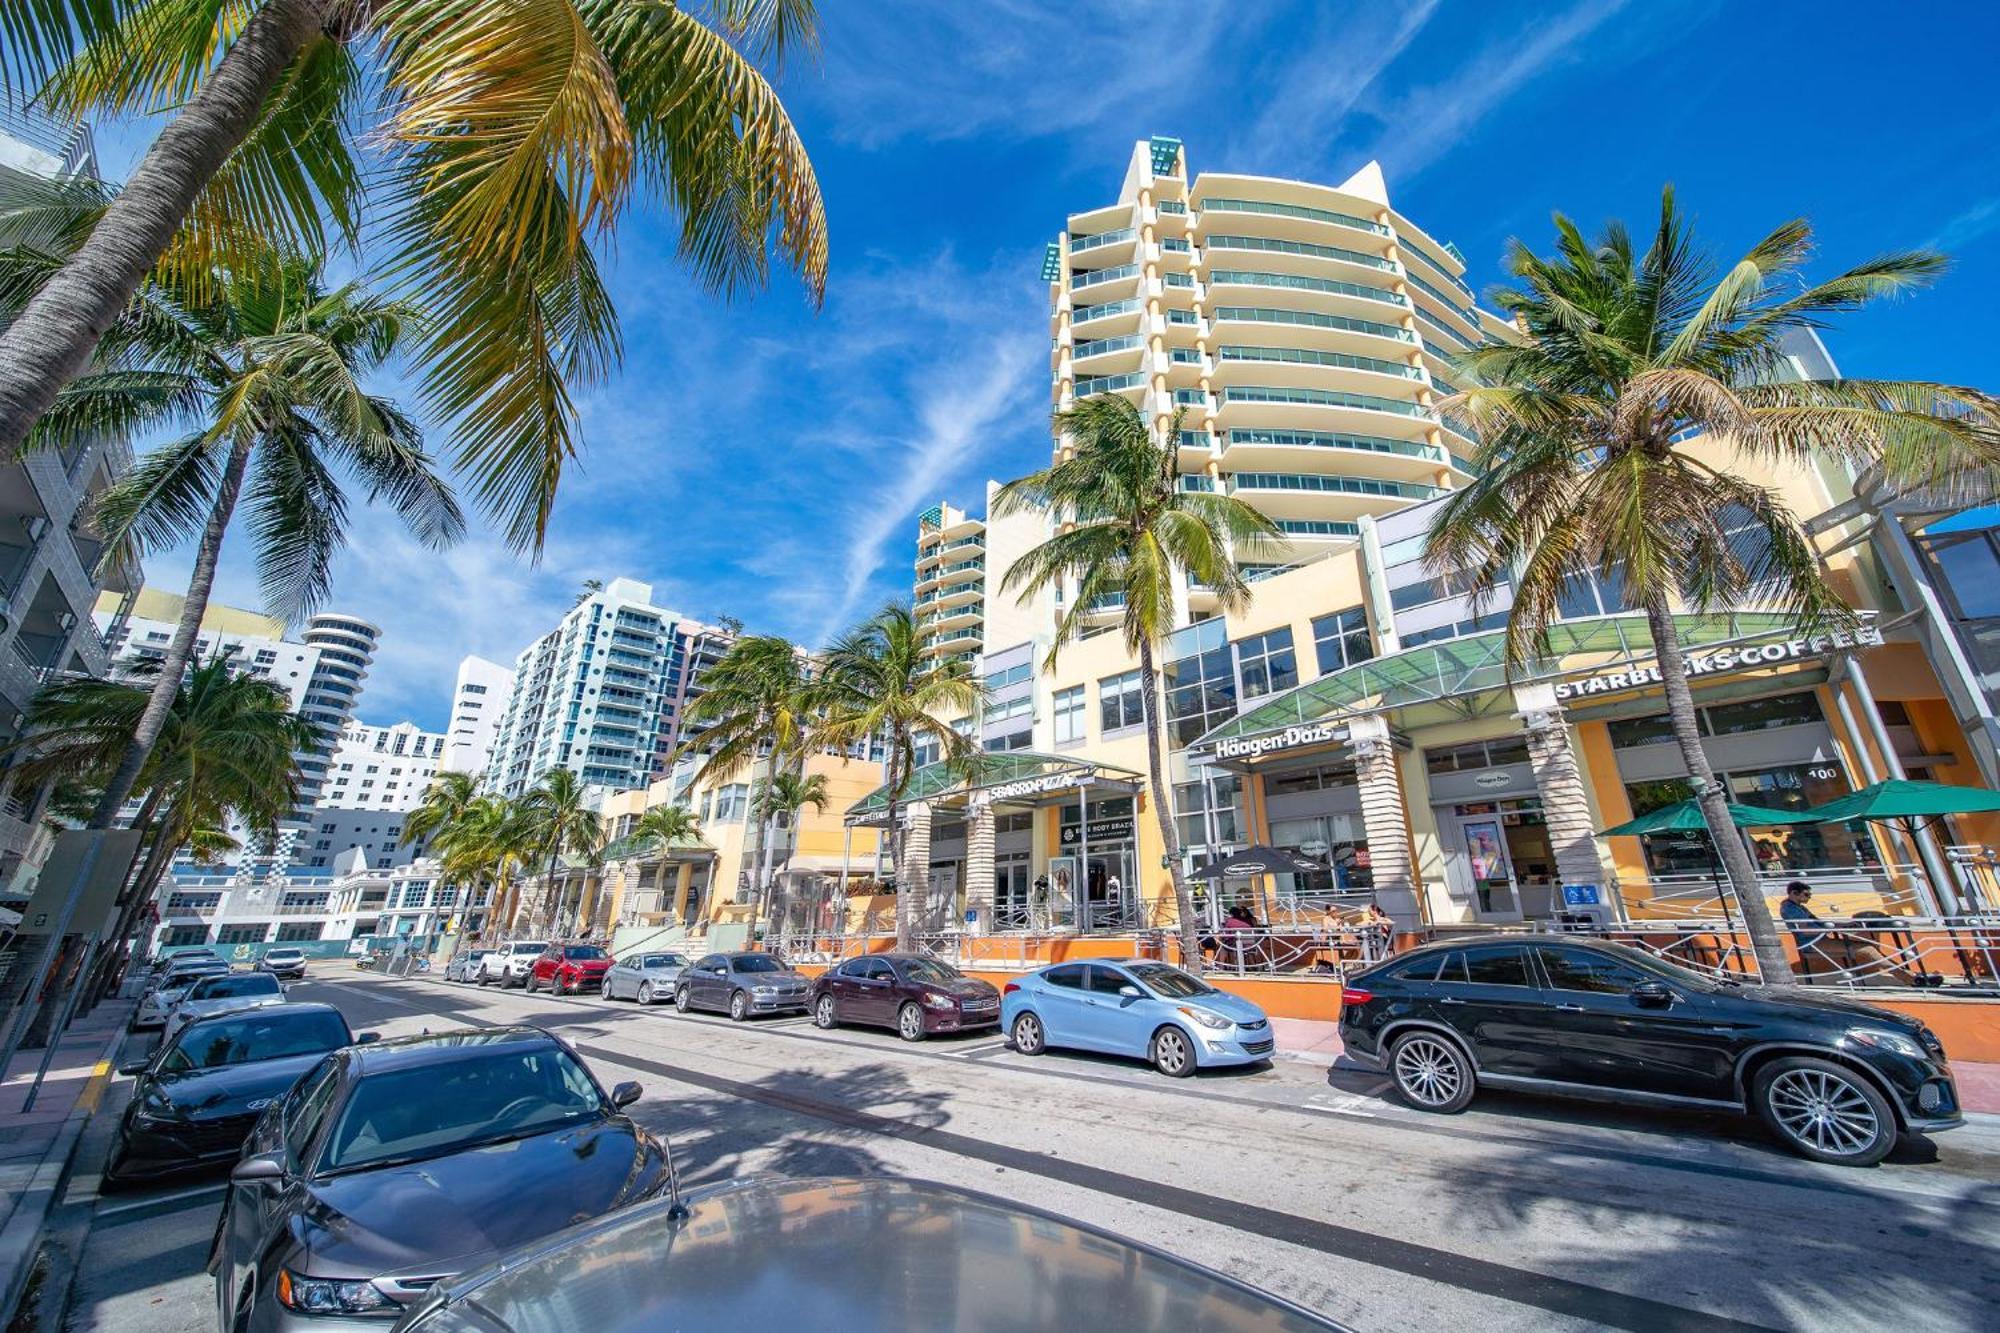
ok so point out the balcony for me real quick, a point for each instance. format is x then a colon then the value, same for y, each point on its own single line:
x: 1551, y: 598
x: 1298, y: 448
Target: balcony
x: 1090, y: 385
x: 1235, y: 363
x: 1293, y: 496
x: 1294, y: 212
x: 1131, y: 308
x: 1102, y: 347
x: 1275, y: 450
x: 1294, y: 256
x: 1279, y: 406
x: 1296, y: 282
x: 1310, y: 326
x: 1099, y: 277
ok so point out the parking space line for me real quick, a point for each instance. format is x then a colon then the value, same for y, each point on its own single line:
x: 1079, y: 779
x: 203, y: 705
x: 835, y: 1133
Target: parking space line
x: 156, y: 1200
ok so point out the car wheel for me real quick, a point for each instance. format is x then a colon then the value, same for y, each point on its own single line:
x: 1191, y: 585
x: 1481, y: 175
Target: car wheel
x: 484, y: 980
x: 681, y: 998
x: 1431, y: 1073
x: 1173, y: 1053
x: 823, y: 1013
x: 645, y: 992
x: 739, y: 1006
x: 1029, y: 1039
x: 1825, y: 1111
x: 910, y: 1022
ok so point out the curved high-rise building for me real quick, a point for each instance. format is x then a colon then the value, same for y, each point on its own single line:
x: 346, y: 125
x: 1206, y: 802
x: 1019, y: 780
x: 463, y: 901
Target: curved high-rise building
x: 1305, y: 332
x: 346, y: 649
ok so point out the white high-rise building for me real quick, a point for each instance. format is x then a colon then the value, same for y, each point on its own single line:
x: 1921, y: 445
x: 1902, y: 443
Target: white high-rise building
x: 478, y: 698
x: 382, y: 768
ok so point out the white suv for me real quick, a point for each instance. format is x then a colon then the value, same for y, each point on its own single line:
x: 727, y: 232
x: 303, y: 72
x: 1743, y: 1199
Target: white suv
x: 510, y: 964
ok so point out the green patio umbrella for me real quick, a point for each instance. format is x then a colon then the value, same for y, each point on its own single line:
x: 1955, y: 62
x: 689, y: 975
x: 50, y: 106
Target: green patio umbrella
x: 1902, y: 798
x: 1686, y: 817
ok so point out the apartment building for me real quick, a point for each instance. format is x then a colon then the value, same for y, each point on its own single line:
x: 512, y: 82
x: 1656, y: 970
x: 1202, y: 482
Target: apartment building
x: 382, y: 768
x: 603, y: 693
x: 478, y: 698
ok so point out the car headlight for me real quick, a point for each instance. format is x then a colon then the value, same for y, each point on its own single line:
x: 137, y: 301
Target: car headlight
x: 1207, y: 1019
x: 314, y: 1295
x: 763, y: 990
x: 1883, y: 1040
x: 936, y: 1001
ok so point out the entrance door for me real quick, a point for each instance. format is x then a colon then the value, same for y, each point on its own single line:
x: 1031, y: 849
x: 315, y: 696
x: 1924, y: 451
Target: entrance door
x: 1492, y: 873
x: 1110, y: 895
x: 1010, y: 893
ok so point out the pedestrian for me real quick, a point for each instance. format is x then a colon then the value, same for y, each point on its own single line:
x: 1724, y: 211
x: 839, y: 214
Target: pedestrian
x: 1378, y: 931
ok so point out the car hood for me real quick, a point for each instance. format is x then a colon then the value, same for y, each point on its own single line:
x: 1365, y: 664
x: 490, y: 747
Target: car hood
x: 773, y: 978
x: 965, y: 988
x: 589, y: 965
x: 210, y: 1093
x: 1229, y: 1006
x: 189, y: 1010
x: 438, y: 1215
x: 1840, y: 1005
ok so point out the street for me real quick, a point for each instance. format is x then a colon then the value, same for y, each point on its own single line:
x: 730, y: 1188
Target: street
x: 1521, y: 1213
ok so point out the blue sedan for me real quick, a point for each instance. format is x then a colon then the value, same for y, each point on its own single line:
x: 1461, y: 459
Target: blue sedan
x: 1135, y: 1007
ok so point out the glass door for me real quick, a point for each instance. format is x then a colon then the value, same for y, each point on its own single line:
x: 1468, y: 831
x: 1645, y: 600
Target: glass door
x: 1491, y: 872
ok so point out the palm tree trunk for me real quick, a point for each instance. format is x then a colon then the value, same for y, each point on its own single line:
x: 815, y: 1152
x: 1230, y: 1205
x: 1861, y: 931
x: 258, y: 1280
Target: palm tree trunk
x: 905, y: 929
x: 53, y: 339
x: 1772, y: 964
x: 137, y: 890
x: 761, y: 867
x: 174, y: 665
x: 1170, y: 838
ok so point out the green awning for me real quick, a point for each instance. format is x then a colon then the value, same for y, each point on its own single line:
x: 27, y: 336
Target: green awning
x: 987, y: 769
x: 1901, y: 798
x: 1686, y: 817
x: 1453, y: 669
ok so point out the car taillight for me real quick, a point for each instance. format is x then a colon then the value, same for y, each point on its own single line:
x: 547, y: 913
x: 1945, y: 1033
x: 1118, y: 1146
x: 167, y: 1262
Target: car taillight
x: 1010, y: 988
x: 1354, y: 995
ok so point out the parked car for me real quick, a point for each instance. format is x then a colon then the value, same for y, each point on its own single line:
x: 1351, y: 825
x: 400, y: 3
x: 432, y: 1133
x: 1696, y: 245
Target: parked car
x: 464, y: 964
x: 200, y: 1092
x: 1836, y: 1079
x: 741, y: 984
x: 859, y: 1254
x: 182, y: 956
x: 1135, y: 1007
x: 646, y: 977
x: 392, y: 1167
x: 170, y: 987
x: 916, y: 996
x: 569, y: 968
x: 289, y: 964
x: 509, y: 964
x: 214, y: 995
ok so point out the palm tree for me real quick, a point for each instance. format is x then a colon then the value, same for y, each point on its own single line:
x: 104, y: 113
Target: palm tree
x: 665, y: 827
x: 1599, y: 424
x: 563, y: 824
x: 875, y: 683
x: 506, y: 139
x: 267, y: 367
x: 488, y: 843
x: 445, y: 805
x: 784, y: 795
x: 1130, y: 532
x: 755, y: 705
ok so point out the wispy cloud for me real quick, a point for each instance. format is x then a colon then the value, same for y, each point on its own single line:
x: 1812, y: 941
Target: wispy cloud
x: 1971, y: 225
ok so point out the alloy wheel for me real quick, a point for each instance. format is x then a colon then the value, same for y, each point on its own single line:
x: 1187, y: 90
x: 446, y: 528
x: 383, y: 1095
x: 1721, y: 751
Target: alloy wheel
x: 645, y: 992
x: 681, y: 999
x: 1428, y: 1071
x: 739, y: 1007
x: 1823, y: 1111
x: 823, y: 1014
x: 1171, y: 1055
x: 910, y: 1023
x: 1028, y: 1035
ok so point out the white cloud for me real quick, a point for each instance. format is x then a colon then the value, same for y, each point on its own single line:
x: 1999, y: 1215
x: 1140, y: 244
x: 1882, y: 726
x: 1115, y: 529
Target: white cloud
x: 1973, y: 224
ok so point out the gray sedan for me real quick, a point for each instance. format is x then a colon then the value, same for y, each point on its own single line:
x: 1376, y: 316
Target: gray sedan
x: 646, y: 977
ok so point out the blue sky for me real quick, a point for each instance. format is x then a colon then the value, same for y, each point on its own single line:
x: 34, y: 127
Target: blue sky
x: 763, y: 460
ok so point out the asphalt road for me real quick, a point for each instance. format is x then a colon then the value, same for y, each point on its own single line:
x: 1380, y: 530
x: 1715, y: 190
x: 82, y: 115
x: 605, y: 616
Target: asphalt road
x: 1521, y: 1213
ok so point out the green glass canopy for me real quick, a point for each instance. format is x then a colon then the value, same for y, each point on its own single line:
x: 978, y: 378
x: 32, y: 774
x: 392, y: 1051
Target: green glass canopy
x: 987, y: 769
x: 1447, y: 673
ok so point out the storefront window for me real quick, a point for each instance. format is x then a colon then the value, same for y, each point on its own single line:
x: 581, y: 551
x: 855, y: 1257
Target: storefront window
x: 1783, y: 710
x: 1340, y: 841
x: 1341, y: 639
x: 1268, y: 662
x: 1337, y: 774
x: 1191, y: 800
x: 1628, y: 732
x: 1780, y: 848
x: 1200, y: 681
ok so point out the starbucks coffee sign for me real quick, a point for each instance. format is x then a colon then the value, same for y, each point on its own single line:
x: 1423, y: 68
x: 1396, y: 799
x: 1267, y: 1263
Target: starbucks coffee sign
x: 1737, y: 657
x: 1291, y: 738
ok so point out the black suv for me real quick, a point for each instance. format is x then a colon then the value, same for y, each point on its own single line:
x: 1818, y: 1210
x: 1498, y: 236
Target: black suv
x: 1837, y: 1080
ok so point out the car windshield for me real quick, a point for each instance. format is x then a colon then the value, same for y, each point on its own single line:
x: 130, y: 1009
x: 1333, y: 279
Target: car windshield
x: 429, y: 1110
x: 223, y: 988
x: 664, y: 960
x: 267, y: 1034
x: 285, y: 955
x: 757, y: 962
x: 530, y: 947
x: 585, y: 952
x: 1171, y: 982
x: 937, y: 974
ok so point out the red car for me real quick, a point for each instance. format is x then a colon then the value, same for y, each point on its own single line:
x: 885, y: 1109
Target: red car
x: 569, y: 968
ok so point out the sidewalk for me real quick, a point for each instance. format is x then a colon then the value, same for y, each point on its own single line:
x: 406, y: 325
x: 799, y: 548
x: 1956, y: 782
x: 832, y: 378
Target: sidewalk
x: 1317, y: 1041
x: 36, y: 1146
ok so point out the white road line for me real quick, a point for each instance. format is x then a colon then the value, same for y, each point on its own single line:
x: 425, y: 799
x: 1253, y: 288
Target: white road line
x: 195, y: 1193
x: 973, y: 1052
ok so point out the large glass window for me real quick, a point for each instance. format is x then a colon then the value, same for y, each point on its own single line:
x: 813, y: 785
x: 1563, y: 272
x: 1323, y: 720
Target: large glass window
x: 1782, y: 710
x: 1069, y: 714
x: 1119, y: 703
x: 1191, y: 799
x: 1779, y: 848
x: 1341, y: 639
x: 1268, y: 662
x: 1200, y: 681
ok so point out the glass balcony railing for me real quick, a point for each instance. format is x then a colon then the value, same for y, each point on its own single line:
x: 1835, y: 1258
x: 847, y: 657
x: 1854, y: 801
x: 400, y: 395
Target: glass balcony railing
x: 1326, y: 439
x: 1099, y: 346
x: 1185, y: 356
x: 1078, y: 244
x: 1316, y: 527
x: 1312, y: 320
x: 1095, y: 384
x: 1194, y: 439
x: 1262, y: 393
x: 1297, y: 283
x: 1183, y: 317
x: 1177, y: 279
x: 1084, y: 313
x: 950, y: 636
x: 1293, y: 211
x: 1307, y: 356
x: 1190, y: 398
x: 1173, y: 206
x: 1175, y: 245
x: 1445, y: 330
x: 1269, y: 246
x: 1433, y: 266
x: 1443, y: 300
x: 1197, y: 483
x: 1329, y: 485
x: 1091, y: 277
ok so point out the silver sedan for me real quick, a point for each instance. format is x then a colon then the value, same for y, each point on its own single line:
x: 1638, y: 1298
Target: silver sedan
x: 646, y: 977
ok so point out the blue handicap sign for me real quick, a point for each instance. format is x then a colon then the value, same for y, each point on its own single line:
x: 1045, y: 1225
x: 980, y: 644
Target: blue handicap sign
x: 1580, y: 895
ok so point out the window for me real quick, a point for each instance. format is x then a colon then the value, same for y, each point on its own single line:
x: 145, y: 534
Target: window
x: 1013, y: 675
x: 307, y: 1106
x: 1069, y: 714
x: 1584, y: 970
x: 1013, y: 708
x: 250, y: 934
x: 1341, y: 639
x: 1784, y: 710
x: 475, y: 689
x: 1494, y: 965
x: 262, y: 1035
x: 1268, y: 662
x: 1192, y: 803
x: 1107, y: 981
x: 1119, y: 703
x: 1070, y: 976
x: 431, y: 1110
x: 1200, y: 681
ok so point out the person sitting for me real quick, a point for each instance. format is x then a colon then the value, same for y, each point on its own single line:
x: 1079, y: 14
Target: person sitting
x: 1812, y: 939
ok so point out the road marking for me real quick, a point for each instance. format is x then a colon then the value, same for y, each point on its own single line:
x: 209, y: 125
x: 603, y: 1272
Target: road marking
x: 195, y: 1193
x: 980, y: 1051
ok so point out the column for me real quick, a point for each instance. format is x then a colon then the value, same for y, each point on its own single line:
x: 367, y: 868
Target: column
x: 683, y: 881
x: 1565, y: 803
x: 913, y: 861
x: 1385, y: 818
x: 979, y: 864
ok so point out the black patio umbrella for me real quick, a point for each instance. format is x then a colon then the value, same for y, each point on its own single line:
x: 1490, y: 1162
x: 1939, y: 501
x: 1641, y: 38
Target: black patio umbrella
x: 1258, y: 860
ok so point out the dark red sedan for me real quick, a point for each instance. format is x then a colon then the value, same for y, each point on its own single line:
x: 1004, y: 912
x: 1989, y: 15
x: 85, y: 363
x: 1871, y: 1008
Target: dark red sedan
x: 569, y: 968
x: 916, y: 996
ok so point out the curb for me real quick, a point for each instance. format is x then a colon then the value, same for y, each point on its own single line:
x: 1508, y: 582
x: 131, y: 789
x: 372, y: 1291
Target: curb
x: 20, y: 1242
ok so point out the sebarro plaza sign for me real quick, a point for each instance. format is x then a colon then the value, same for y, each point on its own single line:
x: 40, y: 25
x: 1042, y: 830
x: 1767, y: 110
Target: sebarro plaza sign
x: 1047, y: 782
x: 1291, y: 738
x: 1738, y: 657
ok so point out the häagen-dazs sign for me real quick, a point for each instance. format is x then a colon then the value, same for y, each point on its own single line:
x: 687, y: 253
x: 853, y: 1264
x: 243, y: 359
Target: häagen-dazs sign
x: 1291, y: 738
x: 1738, y: 657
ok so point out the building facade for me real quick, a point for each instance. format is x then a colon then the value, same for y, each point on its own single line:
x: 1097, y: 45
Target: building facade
x: 478, y: 697
x: 328, y: 912
x: 382, y: 768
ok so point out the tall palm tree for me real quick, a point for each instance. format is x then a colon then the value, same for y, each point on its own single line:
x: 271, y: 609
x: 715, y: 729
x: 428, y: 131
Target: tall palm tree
x: 266, y: 366
x: 754, y: 706
x: 665, y: 827
x: 563, y: 825
x: 877, y: 683
x: 784, y: 795
x: 1128, y: 531
x: 502, y: 141
x: 445, y: 804
x: 488, y: 844
x: 1600, y: 426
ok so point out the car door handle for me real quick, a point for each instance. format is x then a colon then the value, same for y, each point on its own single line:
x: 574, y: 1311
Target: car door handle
x: 1569, y: 1008
x: 1446, y: 999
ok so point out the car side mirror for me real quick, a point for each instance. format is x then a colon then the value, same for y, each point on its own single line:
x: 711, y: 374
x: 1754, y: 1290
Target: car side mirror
x: 366, y: 1038
x: 262, y: 1167
x: 134, y: 1067
x: 1131, y: 993
x: 1652, y: 995
x: 625, y: 1094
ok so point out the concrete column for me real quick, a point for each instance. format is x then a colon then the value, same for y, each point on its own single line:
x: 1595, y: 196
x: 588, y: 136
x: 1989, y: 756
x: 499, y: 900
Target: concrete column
x: 1386, y: 819
x: 915, y: 877
x: 1565, y: 804
x: 979, y: 863
x: 683, y: 882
